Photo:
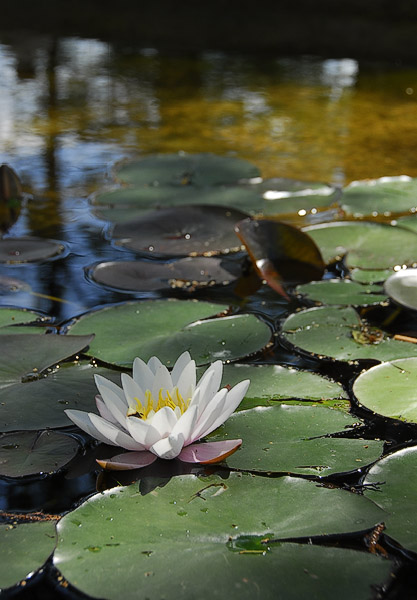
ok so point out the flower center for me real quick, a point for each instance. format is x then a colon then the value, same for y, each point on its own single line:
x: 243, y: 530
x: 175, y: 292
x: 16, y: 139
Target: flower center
x: 146, y: 409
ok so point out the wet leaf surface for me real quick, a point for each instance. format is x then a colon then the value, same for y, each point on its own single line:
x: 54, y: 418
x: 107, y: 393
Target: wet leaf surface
x: 342, y: 292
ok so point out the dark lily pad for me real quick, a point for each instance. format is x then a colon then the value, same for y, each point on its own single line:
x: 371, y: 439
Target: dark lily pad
x: 390, y: 389
x: 202, y: 519
x: 295, y: 439
x: 402, y: 287
x: 339, y: 333
x: 187, y: 273
x: 28, y: 249
x: 166, y: 328
x: 25, y: 548
x: 395, y: 491
x: 32, y: 452
x: 342, y: 292
x: 181, y: 231
x: 386, y: 195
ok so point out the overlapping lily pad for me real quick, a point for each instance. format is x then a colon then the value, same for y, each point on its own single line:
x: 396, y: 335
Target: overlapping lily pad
x: 339, y: 333
x: 202, y: 519
x: 402, y: 287
x: 31, y: 452
x: 396, y: 492
x: 366, y: 245
x: 408, y: 222
x: 342, y: 292
x: 295, y: 439
x: 380, y: 196
x: 166, y: 328
x: 390, y: 389
x: 25, y: 548
x: 370, y: 276
x: 28, y: 249
x: 19, y: 316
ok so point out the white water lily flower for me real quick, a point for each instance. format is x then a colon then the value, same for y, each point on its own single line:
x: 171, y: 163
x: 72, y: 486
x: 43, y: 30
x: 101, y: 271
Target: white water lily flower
x: 158, y: 413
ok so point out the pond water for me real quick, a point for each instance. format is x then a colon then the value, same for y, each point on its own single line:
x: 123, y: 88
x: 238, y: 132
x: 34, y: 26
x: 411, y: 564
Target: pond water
x: 72, y: 108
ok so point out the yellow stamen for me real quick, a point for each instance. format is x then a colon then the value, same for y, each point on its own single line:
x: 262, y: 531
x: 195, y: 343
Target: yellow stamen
x: 165, y: 398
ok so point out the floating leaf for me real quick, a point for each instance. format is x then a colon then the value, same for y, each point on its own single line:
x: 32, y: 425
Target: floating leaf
x: 408, y: 223
x: 393, y: 487
x: 32, y: 452
x: 25, y: 548
x: 402, y: 287
x: 340, y: 333
x: 294, y: 439
x: 341, y: 291
x: 187, y: 273
x: 166, y: 328
x: 202, y: 519
x: 19, y: 316
x: 380, y: 196
x: 28, y: 249
x: 390, y: 389
x: 370, y: 276
x: 11, y: 284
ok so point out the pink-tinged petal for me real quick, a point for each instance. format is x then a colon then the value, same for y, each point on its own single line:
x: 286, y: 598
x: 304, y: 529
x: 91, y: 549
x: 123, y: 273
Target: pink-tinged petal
x: 103, y: 410
x: 142, y: 374
x: 114, y: 434
x: 208, y: 453
x: 169, y: 447
x: 83, y: 421
x: 164, y: 421
x: 128, y: 461
x: 114, y: 404
x: 132, y: 390
x: 187, y: 380
x: 162, y: 381
x: 180, y: 364
x: 186, y: 424
x: 209, y: 415
x: 142, y: 432
x: 154, y: 363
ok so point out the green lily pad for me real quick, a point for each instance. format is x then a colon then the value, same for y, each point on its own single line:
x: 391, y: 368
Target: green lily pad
x: 402, y: 287
x: 166, y: 328
x: 41, y: 402
x: 342, y: 292
x: 408, y: 222
x: 370, y: 276
x: 339, y: 333
x: 28, y: 249
x: 181, y: 231
x: 380, y: 196
x: 25, y: 548
x: 206, y: 520
x: 32, y: 452
x: 396, y: 479
x: 187, y: 274
x: 390, y: 389
x: 19, y: 316
x: 366, y: 245
x: 294, y: 439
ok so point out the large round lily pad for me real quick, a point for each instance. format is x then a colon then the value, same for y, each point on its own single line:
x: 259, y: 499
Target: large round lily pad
x: 339, y: 333
x: 342, y: 292
x: 187, y: 273
x: 395, y: 478
x: 28, y: 249
x: 25, y: 548
x: 182, y: 230
x: 208, y: 521
x: 390, y: 389
x: 367, y: 245
x: 166, y: 328
x: 32, y: 452
x: 380, y: 196
x: 295, y: 439
x: 402, y: 287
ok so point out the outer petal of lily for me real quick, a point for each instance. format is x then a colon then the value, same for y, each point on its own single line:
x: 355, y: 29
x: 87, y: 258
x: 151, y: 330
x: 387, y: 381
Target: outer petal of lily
x: 114, y: 435
x: 208, y: 390
x: 142, y: 432
x: 128, y: 461
x: 187, y: 380
x: 154, y: 363
x: 180, y: 364
x: 162, y: 381
x: 132, y: 390
x: 234, y: 398
x: 111, y: 399
x: 142, y: 374
x: 111, y: 386
x: 217, y: 369
x: 186, y: 424
x: 209, y: 452
x: 164, y: 421
x: 83, y: 421
x: 169, y: 447
x: 210, y: 414
x: 104, y: 411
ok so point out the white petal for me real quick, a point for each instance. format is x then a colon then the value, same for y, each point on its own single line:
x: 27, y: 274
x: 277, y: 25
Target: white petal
x: 83, y: 421
x: 142, y: 432
x: 209, y: 384
x: 106, y: 383
x: 211, y: 413
x: 168, y: 447
x: 164, y: 420
x: 114, y: 434
x: 186, y: 424
x: 114, y: 404
x: 132, y: 390
x: 187, y: 380
x: 162, y: 381
x: 142, y: 374
x: 154, y: 363
x: 234, y: 398
x: 103, y: 410
x: 180, y: 364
